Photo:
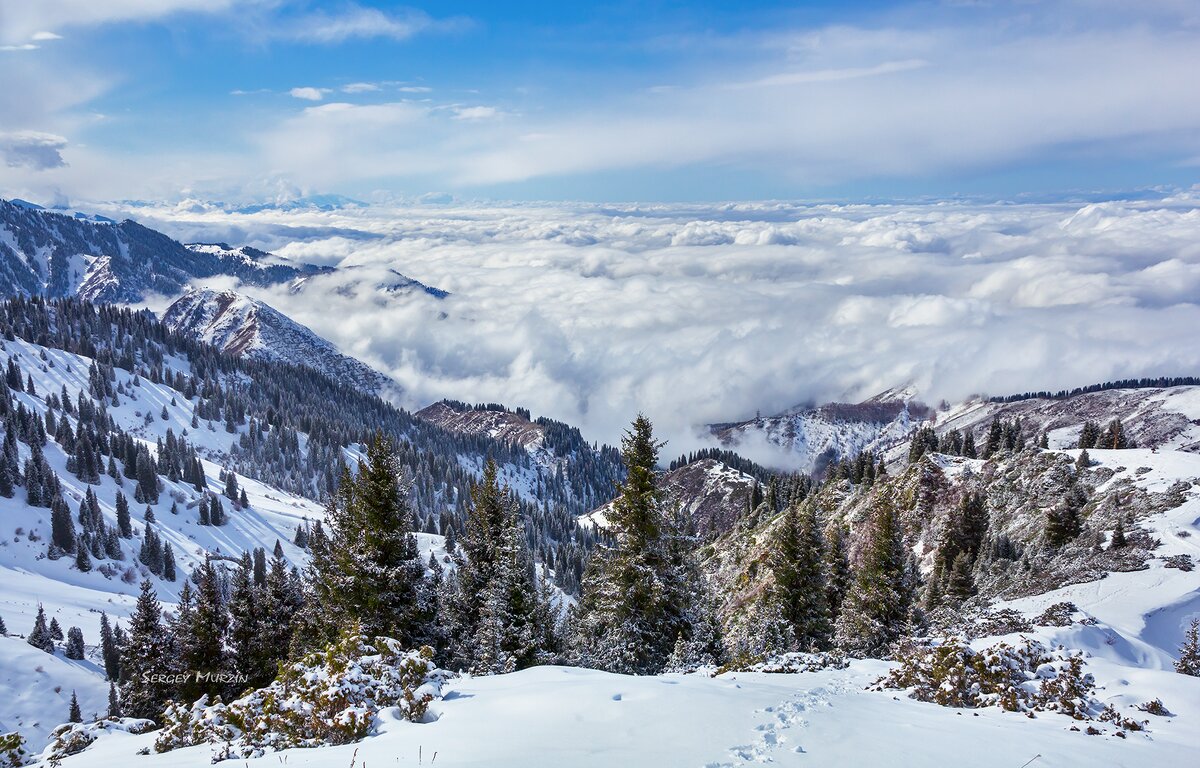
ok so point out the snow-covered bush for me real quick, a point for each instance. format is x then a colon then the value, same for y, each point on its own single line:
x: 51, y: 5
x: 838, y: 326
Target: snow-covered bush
x: 789, y: 663
x: 329, y: 697
x: 12, y: 750
x: 71, y: 738
x: 1028, y: 677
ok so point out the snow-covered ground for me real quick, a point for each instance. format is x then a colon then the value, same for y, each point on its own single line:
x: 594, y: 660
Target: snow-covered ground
x: 557, y: 716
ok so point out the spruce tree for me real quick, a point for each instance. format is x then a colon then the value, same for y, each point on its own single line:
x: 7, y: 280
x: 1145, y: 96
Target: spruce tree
x: 837, y: 569
x: 205, y: 645
x: 83, y: 561
x: 144, y: 659
x: 876, y: 609
x: 1118, y: 536
x: 995, y: 438
x: 960, y: 584
x: 75, y: 647
x: 495, y: 606
x: 124, y: 524
x: 114, y: 704
x: 795, y: 557
x: 40, y: 636
x: 109, y: 650
x: 368, y: 569
x: 249, y: 658
x: 62, y: 527
x: 74, y: 715
x: 628, y: 620
x: 1189, y: 652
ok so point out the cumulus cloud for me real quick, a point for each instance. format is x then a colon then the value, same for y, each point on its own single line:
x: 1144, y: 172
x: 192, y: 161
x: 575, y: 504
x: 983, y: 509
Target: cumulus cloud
x: 702, y: 314
x: 30, y: 149
x: 308, y: 93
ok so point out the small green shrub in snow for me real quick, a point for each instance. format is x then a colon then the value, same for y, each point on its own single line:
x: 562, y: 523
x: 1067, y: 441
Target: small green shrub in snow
x: 1026, y: 677
x: 329, y: 697
x: 12, y: 750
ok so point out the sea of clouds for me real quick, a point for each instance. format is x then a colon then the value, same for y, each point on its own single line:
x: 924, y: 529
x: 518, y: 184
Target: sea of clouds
x: 707, y: 313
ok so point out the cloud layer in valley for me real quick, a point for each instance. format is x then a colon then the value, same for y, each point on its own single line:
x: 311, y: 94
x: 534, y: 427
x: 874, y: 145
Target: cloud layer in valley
x: 711, y: 313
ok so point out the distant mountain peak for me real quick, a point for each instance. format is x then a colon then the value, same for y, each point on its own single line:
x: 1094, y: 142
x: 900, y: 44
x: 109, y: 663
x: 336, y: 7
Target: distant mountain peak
x: 244, y: 326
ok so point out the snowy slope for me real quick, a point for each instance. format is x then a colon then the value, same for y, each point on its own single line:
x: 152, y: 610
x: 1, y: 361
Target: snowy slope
x: 555, y: 716
x: 1164, y: 418
x: 710, y: 493
x: 29, y: 578
x: 60, y: 254
x: 809, y: 439
x: 241, y: 325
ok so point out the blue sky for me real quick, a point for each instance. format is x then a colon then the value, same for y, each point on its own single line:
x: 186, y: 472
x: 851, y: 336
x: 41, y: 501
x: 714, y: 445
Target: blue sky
x: 253, y: 99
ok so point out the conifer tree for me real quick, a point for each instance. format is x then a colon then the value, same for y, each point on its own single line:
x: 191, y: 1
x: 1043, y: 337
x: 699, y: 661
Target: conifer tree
x: 628, y: 618
x: 496, y: 603
x: 3, y: 628
x: 204, y: 647
x: 144, y: 659
x: 968, y: 449
x: 1189, y: 652
x: 796, y: 560
x: 56, y: 632
x: 83, y: 561
x: 249, y: 658
x: 995, y: 438
x: 1089, y: 435
x: 74, y: 715
x: 109, y: 650
x: 1118, y: 535
x: 74, y: 648
x: 114, y: 704
x: 960, y: 584
x: 837, y: 569
x: 876, y: 609
x: 40, y: 636
x: 62, y: 527
x: 368, y: 568
x: 124, y: 524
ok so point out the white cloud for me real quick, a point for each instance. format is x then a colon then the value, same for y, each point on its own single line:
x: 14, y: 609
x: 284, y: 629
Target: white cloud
x: 31, y: 149
x: 359, y: 88
x: 353, y: 21
x: 475, y: 113
x: 709, y: 313
x: 42, y: 20
x: 309, y: 94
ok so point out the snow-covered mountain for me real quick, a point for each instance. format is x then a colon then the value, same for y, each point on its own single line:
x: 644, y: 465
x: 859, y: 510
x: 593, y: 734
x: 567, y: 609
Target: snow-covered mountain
x: 1154, y: 417
x: 808, y: 439
x: 241, y: 325
x: 55, y: 254
x: 495, y: 421
x: 557, y: 448
x: 712, y: 494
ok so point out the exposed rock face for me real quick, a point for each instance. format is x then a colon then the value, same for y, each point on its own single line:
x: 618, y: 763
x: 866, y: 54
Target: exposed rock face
x: 241, y: 326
